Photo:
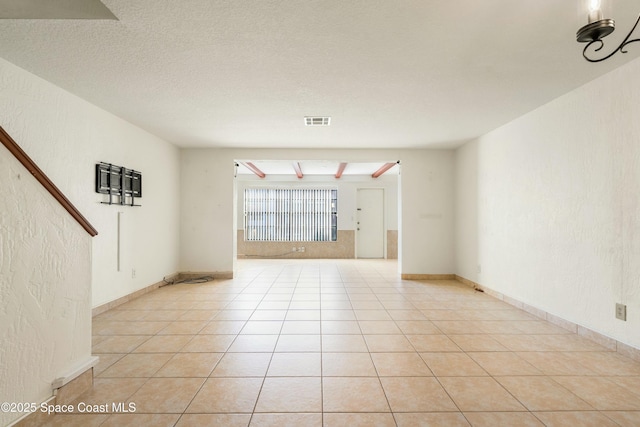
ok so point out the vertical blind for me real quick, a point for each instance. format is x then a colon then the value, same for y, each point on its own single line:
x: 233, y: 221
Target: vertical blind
x: 291, y: 215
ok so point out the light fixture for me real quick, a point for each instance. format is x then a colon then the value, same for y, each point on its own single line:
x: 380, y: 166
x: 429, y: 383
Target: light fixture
x: 599, y: 28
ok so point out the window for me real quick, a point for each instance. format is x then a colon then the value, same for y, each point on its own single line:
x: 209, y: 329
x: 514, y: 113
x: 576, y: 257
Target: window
x: 290, y: 215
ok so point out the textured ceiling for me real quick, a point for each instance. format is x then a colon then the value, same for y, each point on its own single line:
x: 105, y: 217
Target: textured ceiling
x: 240, y: 73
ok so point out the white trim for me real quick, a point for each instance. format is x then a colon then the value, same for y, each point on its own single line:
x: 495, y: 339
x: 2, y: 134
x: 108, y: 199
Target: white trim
x: 81, y: 369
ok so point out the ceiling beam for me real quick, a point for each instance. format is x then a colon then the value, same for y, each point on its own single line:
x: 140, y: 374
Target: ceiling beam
x: 341, y: 169
x: 253, y: 168
x: 298, y: 169
x: 383, y: 169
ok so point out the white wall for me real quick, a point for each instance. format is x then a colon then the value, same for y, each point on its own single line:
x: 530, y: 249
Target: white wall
x: 66, y: 136
x: 549, y: 206
x: 45, y: 289
x: 426, y: 191
x: 427, y: 199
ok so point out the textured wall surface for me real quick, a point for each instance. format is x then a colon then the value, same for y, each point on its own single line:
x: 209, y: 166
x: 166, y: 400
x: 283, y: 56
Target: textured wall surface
x: 45, y: 289
x: 45, y: 307
x: 548, y: 206
x: 66, y: 136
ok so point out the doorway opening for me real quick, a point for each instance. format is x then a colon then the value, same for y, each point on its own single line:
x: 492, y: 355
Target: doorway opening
x: 362, y: 215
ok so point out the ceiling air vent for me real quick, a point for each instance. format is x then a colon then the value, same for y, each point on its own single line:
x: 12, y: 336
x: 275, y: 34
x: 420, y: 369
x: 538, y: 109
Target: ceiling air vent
x: 317, y: 121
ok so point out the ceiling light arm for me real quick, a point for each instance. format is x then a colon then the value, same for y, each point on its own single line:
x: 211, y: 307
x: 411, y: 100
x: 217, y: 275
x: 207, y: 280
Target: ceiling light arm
x: 597, y: 38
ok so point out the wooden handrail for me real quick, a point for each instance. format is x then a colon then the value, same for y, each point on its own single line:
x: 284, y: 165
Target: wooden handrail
x: 26, y: 161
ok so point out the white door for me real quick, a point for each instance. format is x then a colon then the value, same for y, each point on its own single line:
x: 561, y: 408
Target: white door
x: 370, y: 223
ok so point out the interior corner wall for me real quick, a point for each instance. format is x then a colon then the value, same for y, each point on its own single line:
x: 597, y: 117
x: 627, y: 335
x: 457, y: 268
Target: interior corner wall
x: 66, y: 136
x: 548, y: 206
x: 425, y: 218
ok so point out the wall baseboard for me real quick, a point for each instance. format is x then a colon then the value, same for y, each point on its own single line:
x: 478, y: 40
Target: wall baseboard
x: 72, y: 389
x: 116, y: 302
x: 217, y: 275
x: 603, y: 340
x: 65, y: 391
x: 75, y: 373
x: 428, y: 276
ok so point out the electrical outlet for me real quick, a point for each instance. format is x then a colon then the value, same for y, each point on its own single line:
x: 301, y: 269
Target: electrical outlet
x: 479, y: 268
x: 294, y: 250
x: 302, y: 249
x: 133, y: 273
x: 621, y: 312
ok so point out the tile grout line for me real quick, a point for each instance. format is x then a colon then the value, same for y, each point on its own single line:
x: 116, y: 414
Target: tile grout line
x: 379, y: 295
x: 378, y: 374
x: 213, y: 368
x: 266, y: 373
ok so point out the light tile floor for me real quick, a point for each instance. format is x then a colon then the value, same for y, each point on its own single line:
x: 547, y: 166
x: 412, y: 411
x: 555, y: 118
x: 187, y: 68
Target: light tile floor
x: 347, y: 343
